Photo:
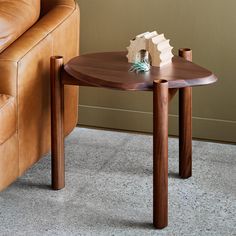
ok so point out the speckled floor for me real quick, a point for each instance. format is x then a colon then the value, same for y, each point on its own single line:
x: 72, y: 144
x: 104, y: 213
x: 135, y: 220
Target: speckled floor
x: 109, y: 190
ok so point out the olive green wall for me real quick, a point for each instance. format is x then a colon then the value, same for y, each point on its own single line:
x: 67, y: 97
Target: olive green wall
x: 208, y: 27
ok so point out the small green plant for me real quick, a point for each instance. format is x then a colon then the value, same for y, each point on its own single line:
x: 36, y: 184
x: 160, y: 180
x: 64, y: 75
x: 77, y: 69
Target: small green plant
x: 142, y: 66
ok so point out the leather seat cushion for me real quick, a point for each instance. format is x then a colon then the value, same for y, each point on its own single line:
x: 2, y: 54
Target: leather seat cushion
x: 16, y: 16
x: 7, y: 117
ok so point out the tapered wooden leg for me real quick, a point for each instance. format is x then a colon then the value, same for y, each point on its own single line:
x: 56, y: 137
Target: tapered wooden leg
x: 57, y: 130
x: 185, y: 124
x: 160, y: 154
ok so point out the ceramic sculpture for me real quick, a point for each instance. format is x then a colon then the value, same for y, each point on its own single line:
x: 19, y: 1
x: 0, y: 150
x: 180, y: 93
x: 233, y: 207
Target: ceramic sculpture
x: 151, y: 47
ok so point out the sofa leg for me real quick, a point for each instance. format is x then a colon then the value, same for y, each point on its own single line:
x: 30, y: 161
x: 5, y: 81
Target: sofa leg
x: 160, y: 154
x: 57, y: 129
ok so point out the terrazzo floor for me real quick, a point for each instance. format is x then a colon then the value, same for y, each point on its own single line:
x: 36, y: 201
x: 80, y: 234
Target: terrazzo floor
x: 109, y: 190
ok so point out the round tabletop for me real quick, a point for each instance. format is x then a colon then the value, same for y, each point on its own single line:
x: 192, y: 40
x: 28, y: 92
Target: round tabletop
x: 111, y: 70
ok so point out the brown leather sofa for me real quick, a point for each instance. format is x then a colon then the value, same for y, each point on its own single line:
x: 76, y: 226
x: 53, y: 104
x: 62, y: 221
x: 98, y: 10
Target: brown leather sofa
x: 25, y: 87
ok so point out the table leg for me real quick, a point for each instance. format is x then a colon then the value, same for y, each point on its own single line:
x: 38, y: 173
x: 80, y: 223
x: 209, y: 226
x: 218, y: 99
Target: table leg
x: 57, y: 129
x: 185, y: 124
x: 185, y: 132
x: 160, y: 154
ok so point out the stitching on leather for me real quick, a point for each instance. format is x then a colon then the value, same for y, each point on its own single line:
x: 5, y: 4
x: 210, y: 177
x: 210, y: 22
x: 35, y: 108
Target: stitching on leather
x: 17, y: 118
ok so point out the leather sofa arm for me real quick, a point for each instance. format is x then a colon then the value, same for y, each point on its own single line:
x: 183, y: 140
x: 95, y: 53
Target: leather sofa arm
x: 10, y: 58
x: 25, y: 76
x: 47, y: 5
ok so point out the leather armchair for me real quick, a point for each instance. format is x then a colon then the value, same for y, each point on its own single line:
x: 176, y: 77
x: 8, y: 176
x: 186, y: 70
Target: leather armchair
x: 25, y: 87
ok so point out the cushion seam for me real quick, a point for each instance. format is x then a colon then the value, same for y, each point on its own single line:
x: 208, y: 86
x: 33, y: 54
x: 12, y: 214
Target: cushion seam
x: 9, y: 100
x: 2, y: 110
x: 5, y: 140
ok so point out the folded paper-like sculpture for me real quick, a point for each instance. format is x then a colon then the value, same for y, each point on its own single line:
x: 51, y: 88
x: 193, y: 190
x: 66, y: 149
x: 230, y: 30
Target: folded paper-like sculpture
x: 153, y: 47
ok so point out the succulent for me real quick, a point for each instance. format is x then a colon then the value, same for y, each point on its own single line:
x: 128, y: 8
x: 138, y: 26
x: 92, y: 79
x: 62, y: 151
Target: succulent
x: 142, y: 66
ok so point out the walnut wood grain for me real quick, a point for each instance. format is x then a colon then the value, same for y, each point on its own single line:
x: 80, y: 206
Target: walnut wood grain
x: 160, y: 153
x: 57, y: 130
x: 185, y: 124
x: 111, y: 70
x: 67, y: 79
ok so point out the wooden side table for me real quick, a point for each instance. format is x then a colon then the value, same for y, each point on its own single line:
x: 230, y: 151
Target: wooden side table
x: 111, y: 70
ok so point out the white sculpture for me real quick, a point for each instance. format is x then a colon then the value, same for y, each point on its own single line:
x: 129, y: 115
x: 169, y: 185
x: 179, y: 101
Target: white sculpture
x: 150, y: 46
